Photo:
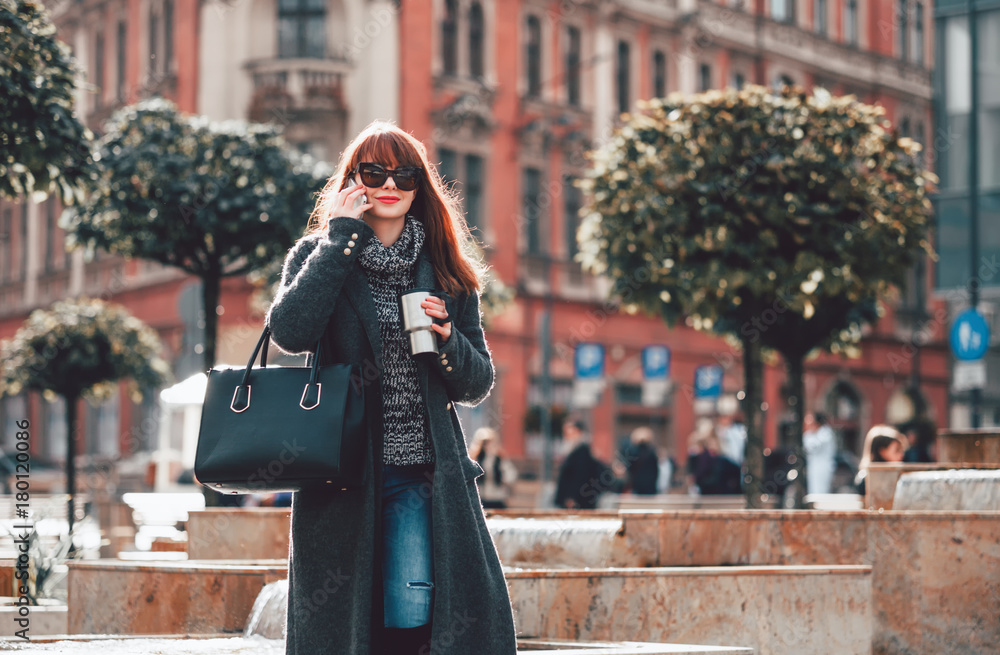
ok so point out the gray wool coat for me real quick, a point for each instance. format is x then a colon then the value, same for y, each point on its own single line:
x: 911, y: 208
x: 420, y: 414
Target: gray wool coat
x: 334, y: 573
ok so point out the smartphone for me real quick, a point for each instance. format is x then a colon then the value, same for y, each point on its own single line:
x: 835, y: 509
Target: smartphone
x: 362, y: 199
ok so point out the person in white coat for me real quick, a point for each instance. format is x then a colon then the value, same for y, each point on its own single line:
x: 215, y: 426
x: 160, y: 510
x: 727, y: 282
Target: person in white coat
x: 820, y: 444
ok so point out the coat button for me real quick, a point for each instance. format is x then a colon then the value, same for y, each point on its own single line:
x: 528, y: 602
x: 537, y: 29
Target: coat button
x: 351, y: 243
x: 354, y: 236
x: 347, y: 251
x: 444, y: 362
x: 448, y: 368
x: 448, y: 406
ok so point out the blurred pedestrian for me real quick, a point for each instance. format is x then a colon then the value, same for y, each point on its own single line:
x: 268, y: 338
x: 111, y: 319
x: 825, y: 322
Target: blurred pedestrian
x: 497, y: 481
x: 665, y: 478
x: 582, y: 477
x: 922, y: 440
x: 710, y: 471
x: 732, y: 437
x: 883, y: 443
x: 641, y: 463
x: 820, y: 444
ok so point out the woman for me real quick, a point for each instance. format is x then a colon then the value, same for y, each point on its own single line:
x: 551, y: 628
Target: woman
x: 883, y: 443
x: 500, y: 474
x: 404, y: 564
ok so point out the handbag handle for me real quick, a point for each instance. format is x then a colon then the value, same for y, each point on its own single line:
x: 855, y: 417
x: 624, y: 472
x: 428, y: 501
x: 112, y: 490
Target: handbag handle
x: 310, y: 394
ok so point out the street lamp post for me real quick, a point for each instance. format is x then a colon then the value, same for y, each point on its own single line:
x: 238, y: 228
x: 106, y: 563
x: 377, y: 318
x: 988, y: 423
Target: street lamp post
x: 974, y: 393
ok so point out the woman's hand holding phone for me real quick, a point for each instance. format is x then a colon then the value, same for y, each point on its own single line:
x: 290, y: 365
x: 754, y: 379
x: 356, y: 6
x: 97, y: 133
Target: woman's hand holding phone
x: 351, y: 201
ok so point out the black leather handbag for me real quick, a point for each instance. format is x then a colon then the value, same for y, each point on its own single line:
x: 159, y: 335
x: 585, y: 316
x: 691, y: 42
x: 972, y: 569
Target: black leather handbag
x: 282, y: 428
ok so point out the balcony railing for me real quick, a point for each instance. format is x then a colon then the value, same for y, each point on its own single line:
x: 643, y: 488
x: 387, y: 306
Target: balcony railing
x: 569, y: 280
x: 284, y: 86
x: 754, y: 33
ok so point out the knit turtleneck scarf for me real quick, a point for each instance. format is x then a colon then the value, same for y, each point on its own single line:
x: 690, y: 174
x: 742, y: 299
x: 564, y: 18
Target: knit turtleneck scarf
x: 397, y: 258
x: 392, y: 270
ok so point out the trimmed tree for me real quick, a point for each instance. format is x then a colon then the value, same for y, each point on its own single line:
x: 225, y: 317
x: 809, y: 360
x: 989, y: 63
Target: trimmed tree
x: 81, y: 348
x: 778, y: 220
x: 213, y: 199
x: 44, y: 146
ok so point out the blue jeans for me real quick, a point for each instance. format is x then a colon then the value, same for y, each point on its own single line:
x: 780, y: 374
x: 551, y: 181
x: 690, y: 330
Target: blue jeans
x: 407, y: 564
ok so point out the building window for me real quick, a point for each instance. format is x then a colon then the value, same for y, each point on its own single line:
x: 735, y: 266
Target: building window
x: 449, y: 38
x: 168, y: 36
x: 531, y: 212
x: 783, y: 81
x: 121, y: 53
x: 447, y: 165
x: 54, y: 429
x: 573, y: 49
x: 780, y: 10
x: 819, y: 16
x: 154, y: 45
x: 533, y: 57
x: 474, y: 191
x: 22, y: 245
x: 705, y: 77
x: 6, y: 247
x: 571, y: 216
x: 956, y: 63
x: 659, y: 74
x: 103, y: 424
x: 50, y: 231
x: 952, y: 207
x: 918, y: 37
x: 15, y: 408
x: 851, y: 22
x: 467, y: 172
x: 622, y: 70
x: 99, y: 69
x: 902, y: 25
x: 302, y: 28
x: 988, y: 24
x: 476, y: 68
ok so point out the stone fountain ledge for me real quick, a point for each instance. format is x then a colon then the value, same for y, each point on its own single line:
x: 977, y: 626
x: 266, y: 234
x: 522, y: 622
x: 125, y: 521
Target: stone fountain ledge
x: 779, y: 610
x: 172, y: 597
x: 228, y: 645
x: 954, y: 490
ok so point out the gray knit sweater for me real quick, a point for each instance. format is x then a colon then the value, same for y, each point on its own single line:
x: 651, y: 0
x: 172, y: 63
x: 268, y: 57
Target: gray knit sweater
x: 390, y: 271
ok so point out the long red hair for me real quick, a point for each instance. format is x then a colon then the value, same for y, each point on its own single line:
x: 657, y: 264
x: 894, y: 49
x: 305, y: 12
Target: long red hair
x: 446, y: 232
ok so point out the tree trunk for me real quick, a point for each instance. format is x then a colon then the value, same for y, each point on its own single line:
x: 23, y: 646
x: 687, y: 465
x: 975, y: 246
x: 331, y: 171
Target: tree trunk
x: 71, y: 402
x: 211, y: 285
x: 753, y: 390
x: 795, y: 401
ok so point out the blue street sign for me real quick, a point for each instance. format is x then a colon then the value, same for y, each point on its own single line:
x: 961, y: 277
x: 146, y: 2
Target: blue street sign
x: 588, y: 361
x: 708, y: 381
x: 655, y: 363
x: 970, y: 336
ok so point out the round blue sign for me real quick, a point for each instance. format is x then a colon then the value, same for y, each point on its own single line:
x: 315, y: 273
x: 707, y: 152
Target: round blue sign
x: 970, y: 336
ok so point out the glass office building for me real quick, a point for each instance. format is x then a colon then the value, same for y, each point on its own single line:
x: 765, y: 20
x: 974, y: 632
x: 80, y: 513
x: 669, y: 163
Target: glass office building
x: 966, y: 150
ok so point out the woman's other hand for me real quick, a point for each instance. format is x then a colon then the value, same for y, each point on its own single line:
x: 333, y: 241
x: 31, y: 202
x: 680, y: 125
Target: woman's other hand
x: 435, y: 308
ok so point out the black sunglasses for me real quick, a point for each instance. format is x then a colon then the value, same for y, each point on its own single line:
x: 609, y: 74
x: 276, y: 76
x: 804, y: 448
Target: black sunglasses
x: 374, y: 176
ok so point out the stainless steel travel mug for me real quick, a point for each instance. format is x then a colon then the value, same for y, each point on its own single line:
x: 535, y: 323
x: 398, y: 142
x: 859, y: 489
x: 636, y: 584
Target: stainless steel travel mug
x: 416, y: 322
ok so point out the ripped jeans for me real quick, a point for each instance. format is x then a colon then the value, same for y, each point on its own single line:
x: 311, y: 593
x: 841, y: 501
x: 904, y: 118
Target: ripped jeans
x: 407, y: 564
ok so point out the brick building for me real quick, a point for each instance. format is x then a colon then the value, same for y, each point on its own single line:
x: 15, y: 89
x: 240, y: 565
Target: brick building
x: 508, y: 96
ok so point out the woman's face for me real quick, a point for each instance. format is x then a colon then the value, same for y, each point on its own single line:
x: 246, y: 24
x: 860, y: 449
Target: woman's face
x: 388, y: 201
x: 893, y: 452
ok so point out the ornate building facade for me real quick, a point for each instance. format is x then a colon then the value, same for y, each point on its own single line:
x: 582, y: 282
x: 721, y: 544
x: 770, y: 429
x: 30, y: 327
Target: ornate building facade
x: 508, y: 97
